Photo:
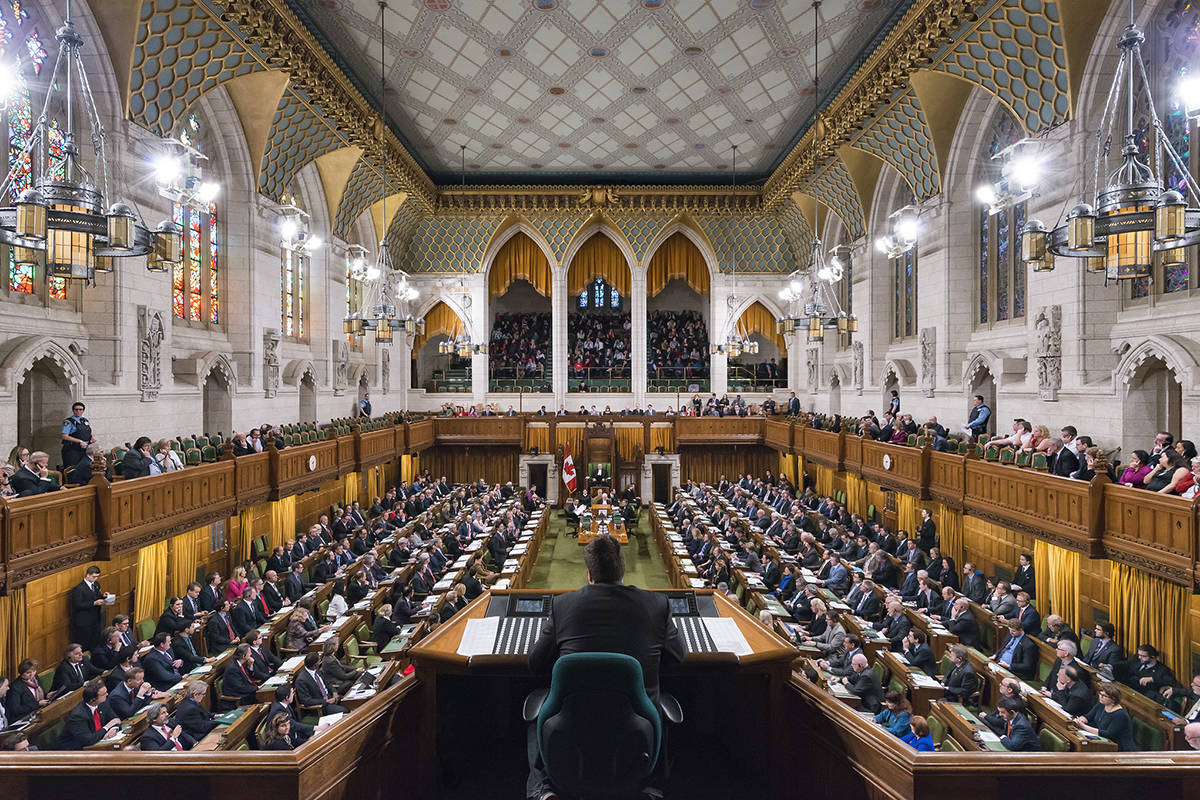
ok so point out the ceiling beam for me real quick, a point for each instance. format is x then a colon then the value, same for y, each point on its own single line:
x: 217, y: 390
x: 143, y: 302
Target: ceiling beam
x: 255, y: 98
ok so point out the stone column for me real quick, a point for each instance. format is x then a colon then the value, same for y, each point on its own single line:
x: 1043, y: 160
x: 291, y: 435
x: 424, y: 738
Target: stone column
x: 558, y: 338
x: 637, y: 311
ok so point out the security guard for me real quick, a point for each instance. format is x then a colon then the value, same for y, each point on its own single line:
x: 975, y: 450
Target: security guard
x: 76, y: 436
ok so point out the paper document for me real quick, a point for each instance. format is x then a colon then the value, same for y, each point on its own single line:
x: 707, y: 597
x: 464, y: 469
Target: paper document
x: 988, y: 736
x: 726, y: 636
x: 479, y: 636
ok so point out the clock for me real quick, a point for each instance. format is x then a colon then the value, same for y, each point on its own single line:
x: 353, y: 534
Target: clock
x: 887, y: 461
x: 312, y: 463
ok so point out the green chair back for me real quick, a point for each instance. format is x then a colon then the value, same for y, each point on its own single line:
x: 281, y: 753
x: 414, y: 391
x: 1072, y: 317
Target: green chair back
x: 1146, y: 736
x: 208, y: 453
x: 1040, y: 463
x: 193, y: 457
x: 187, y: 443
x: 950, y: 745
x: 880, y: 671
x: 1023, y: 459
x: 145, y: 630
x: 937, y: 729
x: 1007, y: 456
x: 1051, y: 742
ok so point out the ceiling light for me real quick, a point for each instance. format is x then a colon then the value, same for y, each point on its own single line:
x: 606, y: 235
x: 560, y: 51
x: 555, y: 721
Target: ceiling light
x: 986, y: 194
x: 1188, y: 93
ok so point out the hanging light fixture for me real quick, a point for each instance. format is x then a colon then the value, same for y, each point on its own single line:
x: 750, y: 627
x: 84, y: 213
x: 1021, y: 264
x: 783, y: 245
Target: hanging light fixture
x: 738, y: 341
x: 1123, y: 224
x: 388, y: 291
x: 904, y: 227
x: 1021, y: 170
x: 64, y: 214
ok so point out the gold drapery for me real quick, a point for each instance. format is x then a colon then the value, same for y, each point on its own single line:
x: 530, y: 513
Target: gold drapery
x: 519, y: 259
x: 440, y: 319
x: 856, y: 494
x: 407, y: 467
x: 151, y: 587
x: 538, y: 437
x: 628, y: 440
x: 758, y: 319
x: 787, y: 467
x: 183, y: 557
x: 14, y: 630
x: 908, y: 519
x: 799, y: 474
x: 283, y: 518
x: 350, y: 488
x: 677, y: 258
x: 825, y: 481
x: 1145, y: 608
x: 599, y: 257
x: 241, y: 545
x: 950, y: 534
x: 1056, y: 570
x: 663, y: 437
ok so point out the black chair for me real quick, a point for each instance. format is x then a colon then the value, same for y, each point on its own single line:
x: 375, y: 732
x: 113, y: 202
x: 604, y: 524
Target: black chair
x: 599, y: 735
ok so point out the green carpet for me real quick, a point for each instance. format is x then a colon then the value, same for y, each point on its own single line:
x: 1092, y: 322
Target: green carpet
x: 560, y: 563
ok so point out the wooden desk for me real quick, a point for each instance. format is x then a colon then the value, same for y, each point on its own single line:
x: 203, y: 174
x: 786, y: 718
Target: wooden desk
x: 965, y: 726
x: 236, y: 726
x: 921, y: 688
x: 355, y: 699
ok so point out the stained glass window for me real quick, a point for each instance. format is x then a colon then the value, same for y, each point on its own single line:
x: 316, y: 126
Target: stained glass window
x: 195, y: 281
x: 984, y: 246
x: 599, y: 295
x: 616, y: 299
x: 905, y: 277
x: 214, y: 246
x: 292, y: 293
x: 1001, y: 273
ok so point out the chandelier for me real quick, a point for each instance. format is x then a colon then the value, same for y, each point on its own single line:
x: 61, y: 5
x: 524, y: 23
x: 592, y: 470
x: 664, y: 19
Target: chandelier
x: 460, y: 344
x: 63, y: 216
x: 812, y: 302
x: 1020, y: 172
x: 738, y: 341
x: 1122, y: 224
x: 388, y: 290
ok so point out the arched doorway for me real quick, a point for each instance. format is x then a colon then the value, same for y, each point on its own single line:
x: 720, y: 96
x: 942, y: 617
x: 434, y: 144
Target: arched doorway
x: 363, y: 391
x: 217, y: 403
x: 677, y: 318
x: 1153, y: 403
x: 981, y: 382
x: 519, y: 290
x: 438, y: 371
x: 835, y: 394
x: 43, y: 402
x: 599, y: 327
x: 308, y: 398
x: 765, y: 370
x: 891, y: 383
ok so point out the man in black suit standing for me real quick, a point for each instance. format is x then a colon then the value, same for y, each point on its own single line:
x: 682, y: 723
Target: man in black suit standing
x: 793, y: 405
x: 609, y: 617
x: 89, y: 721
x: 210, y: 595
x: 87, y: 616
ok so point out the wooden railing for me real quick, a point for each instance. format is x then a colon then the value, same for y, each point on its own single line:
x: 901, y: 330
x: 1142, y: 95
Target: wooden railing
x: 1148, y: 531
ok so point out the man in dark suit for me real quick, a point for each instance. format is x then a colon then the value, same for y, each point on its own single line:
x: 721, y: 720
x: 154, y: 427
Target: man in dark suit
x: 238, y: 678
x: 219, y: 632
x: 311, y: 689
x: 280, y: 560
x: 245, y: 614
x: 1104, y: 649
x: 962, y: 680
x: 87, y: 614
x: 270, y: 592
x: 863, y: 682
x: 1070, y: 691
x: 107, y: 655
x: 210, y: 595
x: 33, y: 477
x: 80, y: 473
x: 1147, y: 674
x: 1018, y: 653
x: 895, y: 625
x: 191, y: 715
x: 604, y: 616
x: 918, y: 653
x: 1018, y: 733
x: 793, y: 405
x: 191, y: 602
x: 131, y: 694
x: 293, y: 585
x: 868, y: 605
x: 73, y: 671
x: 976, y: 586
x: 161, y: 665
x: 1026, y: 614
x: 89, y: 721
x: 963, y: 624
x: 1061, y: 461
x: 265, y: 662
x: 1025, y: 576
x: 159, y: 736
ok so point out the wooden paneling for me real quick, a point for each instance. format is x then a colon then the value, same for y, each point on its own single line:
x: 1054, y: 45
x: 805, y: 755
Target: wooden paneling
x: 252, y: 479
x: 420, y: 436
x: 1093, y: 591
x: 1151, y: 531
x: 1059, y: 510
x: 852, y: 453
x: 708, y: 464
x: 893, y: 466
x: 376, y: 447
x: 47, y: 532
x: 347, y: 461
x: 145, y: 510
x: 823, y: 447
x: 480, y: 430
x: 947, y: 478
x: 993, y: 548
x: 777, y: 434
x: 718, y: 430
x: 298, y: 469
x: 463, y: 464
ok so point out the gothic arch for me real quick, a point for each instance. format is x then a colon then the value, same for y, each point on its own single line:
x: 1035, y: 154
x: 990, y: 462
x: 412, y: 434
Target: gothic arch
x: 986, y: 361
x: 511, y: 228
x: 221, y: 362
x: 295, y: 371
x: 1173, y: 351
x: 22, y: 351
x: 433, y: 298
x: 356, y: 373
x: 901, y: 370
x: 694, y: 235
x: 601, y: 226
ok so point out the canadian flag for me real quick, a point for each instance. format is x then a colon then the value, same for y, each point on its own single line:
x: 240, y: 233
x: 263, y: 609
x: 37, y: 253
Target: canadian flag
x: 568, y: 473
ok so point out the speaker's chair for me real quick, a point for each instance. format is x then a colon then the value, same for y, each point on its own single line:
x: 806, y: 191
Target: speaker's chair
x: 598, y: 733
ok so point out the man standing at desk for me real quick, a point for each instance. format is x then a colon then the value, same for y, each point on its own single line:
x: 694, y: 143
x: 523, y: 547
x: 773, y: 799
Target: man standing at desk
x: 606, y: 616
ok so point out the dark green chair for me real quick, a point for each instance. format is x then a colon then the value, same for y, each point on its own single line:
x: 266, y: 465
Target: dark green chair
x: 1023, y: 459
x: 1040, y: 463
x: 598, y: 732
x: 193, y: 457
x: 1051, y: 742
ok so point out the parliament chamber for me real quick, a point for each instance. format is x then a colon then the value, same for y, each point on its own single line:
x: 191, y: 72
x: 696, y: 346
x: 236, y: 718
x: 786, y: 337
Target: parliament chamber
x: 844, y: 353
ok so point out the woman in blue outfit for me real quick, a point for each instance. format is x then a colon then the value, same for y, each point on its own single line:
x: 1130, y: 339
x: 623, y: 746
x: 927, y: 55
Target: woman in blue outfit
x: 895, y: 714
x: 918, y: 737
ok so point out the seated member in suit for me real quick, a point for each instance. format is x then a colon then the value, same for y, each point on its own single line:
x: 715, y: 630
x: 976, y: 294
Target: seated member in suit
x: 963, y: 623
x: 1018, y: 653
x: 33, y: 477
x: 106, y: 655
x: 279, y: 733
x: 918, y: 653
x: 312, y: 690
x: 132, y: 694
x: 1147, y: 674
x: 220, y: 631
x: 196, y: 721
x: 604, y: 616
x: 184, y: 646
x: 862, y: 682
x: 1009, y: 687
x: 163, y: 668
x: 25, y: 695
x: 285, y: 703
x: 160, y: 736
x: 384, y: 630
x: 73, y: 671
x: 89, y: 721
x: 172, y: 620
x: 1018, y: 732
x: 245, y: 614
x: 962, y: 679
x: 128, y: 656
x: 337, y: 675
x: 239, y: 676
x: 265, y: 662
x: 895, y: 625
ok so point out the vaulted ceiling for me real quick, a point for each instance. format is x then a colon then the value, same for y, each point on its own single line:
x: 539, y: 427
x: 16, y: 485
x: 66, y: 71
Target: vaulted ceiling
x: 583, y: 90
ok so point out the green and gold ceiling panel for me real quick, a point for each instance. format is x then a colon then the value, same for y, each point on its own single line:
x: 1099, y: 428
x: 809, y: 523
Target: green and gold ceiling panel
x: 558, y: 228
x: 180, y: 52
x: 1017, y: 54
x: 640, y: 228
x: 797, y: 230
x: 298, y: 135
x: 400, y: 234
x: 364, y: 188
x: 452, y: 241
x: 901, y: 137
x: 747, y: 243
x: 834, y: 187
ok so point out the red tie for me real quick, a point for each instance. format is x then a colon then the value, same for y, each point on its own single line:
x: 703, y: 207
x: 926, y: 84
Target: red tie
x: 229, y: 627
x: 167, y: 736
x: 263, y: 600
x: 96, y: 718
x: 1021, y: 613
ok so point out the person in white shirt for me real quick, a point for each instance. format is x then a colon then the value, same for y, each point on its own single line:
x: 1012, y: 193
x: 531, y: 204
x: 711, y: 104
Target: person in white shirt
x: 165, y: 459
x: 337, y: 603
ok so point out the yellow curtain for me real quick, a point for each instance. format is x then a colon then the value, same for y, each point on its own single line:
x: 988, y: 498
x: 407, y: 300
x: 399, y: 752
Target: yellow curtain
x: 824, y: 481
x: 438, y: 320
x: 372, y: 476
x: 407, y: 467
x: 950, y: 534
x: 1056, y: 570
x: 677, y: 258
x: 519, y: 259
x: 908, y: 518
x: 599, y: 257
x: 283, y: 518
x: 856, y: 494
x: 663, y: 437
x: 350, y: 488
x: 241, y: 545
x: 182, y: 559
x: 800, y: 473
x: 628, y: 440
x: 151, y: 587
x: 570, y: 437
x: 14, y: 631
x: 758, y: 319
x: 787, y: 466
x: 538, y: 437
x: 1145, y: 609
